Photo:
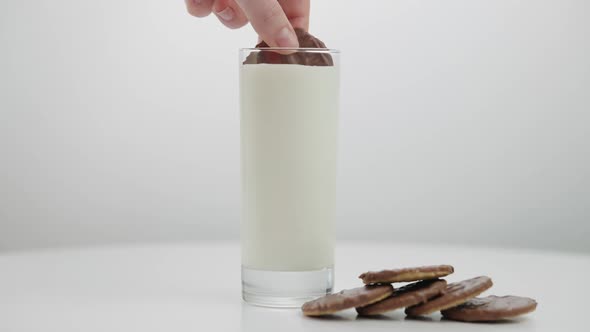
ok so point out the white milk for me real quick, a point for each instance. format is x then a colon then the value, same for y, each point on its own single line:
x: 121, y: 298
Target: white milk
x: 289, y: 121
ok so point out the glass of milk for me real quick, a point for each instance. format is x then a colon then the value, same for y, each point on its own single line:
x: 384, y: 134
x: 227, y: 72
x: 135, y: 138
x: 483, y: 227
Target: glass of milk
x: 289, y: 129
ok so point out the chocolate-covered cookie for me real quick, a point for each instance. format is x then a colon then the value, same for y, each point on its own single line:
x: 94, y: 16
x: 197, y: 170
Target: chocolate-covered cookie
x: 346, y: 299
x: 406, y: 296
x: 455, y: 294
x: 491, y: 308
x: 406, y: 274
x: 307, y: 58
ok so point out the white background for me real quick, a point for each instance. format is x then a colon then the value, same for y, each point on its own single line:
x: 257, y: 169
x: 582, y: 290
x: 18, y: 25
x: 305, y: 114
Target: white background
x: 461, y: 122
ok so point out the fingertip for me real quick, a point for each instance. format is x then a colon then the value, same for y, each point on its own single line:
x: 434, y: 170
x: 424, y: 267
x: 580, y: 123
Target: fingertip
x: 227, y: 14
x: 232, y: 23
x: 230, y: 14
x: 199, y: 8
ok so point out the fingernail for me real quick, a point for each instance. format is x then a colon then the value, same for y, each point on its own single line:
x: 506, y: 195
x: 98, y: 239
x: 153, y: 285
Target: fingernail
x: 227, y: 14
x: 198, y: 2
x: 286, y: 38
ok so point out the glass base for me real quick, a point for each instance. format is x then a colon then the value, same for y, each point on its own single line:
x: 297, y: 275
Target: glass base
x: 285, y: 289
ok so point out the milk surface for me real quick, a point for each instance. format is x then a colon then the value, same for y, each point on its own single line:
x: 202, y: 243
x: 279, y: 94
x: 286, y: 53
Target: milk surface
x: 289, y: 121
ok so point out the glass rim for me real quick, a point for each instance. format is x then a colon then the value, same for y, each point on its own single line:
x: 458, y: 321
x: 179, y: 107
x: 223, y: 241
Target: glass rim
x: 294, y: 49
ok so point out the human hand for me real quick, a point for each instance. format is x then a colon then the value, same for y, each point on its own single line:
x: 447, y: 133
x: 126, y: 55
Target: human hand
x: 273, y: 20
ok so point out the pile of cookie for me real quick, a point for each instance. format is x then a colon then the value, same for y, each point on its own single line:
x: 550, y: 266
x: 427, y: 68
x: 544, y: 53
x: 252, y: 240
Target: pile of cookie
x: 428, y: 294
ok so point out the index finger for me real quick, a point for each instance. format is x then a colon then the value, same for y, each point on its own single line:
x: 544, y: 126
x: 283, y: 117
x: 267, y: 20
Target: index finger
x: 297, y: 12
x: 270, y: 22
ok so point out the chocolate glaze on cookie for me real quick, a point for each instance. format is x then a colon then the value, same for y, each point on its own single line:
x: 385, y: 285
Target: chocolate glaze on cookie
x: 454, y: 295
x: 406, y: 274
x: 349, y: 298
x: 409, y: 295
x: 491, y: 308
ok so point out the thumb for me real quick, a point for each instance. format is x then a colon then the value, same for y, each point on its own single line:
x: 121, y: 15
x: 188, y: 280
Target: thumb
x: 270, y: 22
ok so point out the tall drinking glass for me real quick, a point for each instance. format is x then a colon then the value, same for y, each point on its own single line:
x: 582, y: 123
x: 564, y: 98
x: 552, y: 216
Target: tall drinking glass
x: 289, y: 129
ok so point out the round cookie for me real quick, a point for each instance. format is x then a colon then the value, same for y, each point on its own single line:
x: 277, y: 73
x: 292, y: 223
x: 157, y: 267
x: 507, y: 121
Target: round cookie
x: 309, y: 58
x: 406, y: 274
x: 491, y: 308
x: 455, y: 294
x: 346, y: 299
x: 406, y: 296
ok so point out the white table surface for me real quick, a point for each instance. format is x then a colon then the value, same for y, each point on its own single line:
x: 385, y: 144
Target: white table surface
x: 196, y: 287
